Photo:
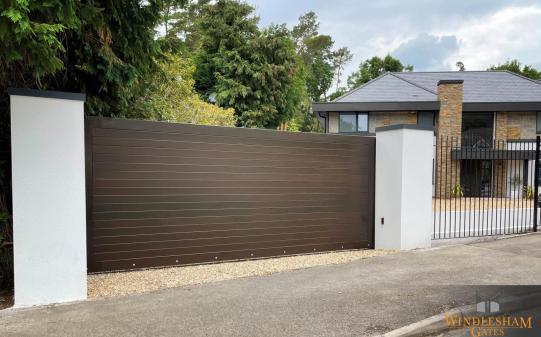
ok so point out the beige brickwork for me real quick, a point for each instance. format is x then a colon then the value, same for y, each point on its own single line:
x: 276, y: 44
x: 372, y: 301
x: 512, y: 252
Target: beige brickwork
x: 449, y: 126
x: 379, y: 119
x: 521, y: 125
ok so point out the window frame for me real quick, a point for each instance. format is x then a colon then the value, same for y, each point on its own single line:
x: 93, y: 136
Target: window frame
x: 356, y: 128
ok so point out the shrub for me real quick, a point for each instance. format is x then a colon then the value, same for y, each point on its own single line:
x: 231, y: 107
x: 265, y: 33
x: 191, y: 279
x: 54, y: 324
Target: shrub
x: 457, y: 191
x: 528, y: 192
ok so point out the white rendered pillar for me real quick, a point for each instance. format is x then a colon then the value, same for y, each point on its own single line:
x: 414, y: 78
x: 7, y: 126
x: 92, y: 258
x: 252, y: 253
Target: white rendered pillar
x: 403, y: 202
x: 49, y: 202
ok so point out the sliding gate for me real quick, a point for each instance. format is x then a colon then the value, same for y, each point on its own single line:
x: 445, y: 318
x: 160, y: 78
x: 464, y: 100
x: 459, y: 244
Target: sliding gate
x: 485, y: 187
x: 162, y: 194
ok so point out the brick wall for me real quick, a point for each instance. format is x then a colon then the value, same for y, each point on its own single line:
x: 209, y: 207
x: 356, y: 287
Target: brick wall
x: 449, y: 124
x: 521, y: 125
x: 379, y: 119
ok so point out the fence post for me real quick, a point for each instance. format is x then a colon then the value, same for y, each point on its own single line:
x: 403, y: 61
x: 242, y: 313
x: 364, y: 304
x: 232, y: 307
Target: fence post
x: 536, y: 183
x: 49, y: 207
x: 403, y: 201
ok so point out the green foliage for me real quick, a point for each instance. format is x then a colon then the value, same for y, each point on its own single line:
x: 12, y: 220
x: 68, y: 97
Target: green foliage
x: 223, y: 31
x: 339, y: 92
x: 374, y: 67
x: 528, y: 192
x: 30, y: 32
x: 103, y: 48
x: 315, y: 50
x: 516, y: 67
x: 258, y: 79
x: 169, y: 96
x: 457, y: 191
x: 255, y: 72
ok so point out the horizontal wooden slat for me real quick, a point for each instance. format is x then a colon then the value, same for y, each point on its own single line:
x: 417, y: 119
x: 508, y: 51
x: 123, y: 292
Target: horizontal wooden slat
x: 161, y: 193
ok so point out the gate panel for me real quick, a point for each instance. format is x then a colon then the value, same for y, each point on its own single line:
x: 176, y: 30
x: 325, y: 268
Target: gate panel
x: 162, y: 194
x: 484, y: 187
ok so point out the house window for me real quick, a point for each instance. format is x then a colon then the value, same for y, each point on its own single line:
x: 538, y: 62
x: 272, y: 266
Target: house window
x: 538, y: 123
x: 353, y: 122
x: 426, y: 118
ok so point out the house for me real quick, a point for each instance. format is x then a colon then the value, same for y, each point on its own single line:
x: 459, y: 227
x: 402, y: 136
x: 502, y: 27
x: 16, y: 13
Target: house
x: 476, y: 109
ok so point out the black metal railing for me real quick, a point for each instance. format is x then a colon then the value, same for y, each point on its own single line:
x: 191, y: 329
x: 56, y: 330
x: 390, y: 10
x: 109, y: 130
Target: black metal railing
x: 484, y: 187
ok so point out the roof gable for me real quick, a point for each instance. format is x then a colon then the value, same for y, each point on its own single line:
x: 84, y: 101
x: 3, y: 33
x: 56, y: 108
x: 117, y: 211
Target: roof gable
x: 479, y: 87
x: 482, y: 86
x: 388, y: 88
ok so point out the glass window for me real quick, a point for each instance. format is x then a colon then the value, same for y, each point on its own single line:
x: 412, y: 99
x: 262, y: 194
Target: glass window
x: 425, y: 118
x: 538, y: 126
x: 477, y: 129
x: 347, y: 122
x: 353, y: 122
x: 362, y: 122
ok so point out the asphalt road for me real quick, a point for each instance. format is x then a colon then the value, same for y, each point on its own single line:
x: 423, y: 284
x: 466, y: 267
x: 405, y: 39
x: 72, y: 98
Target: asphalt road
x: 362, y: 298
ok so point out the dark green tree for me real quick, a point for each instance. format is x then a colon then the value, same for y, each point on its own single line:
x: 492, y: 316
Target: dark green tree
x: 102, y: 48
x: 242, y: 67
x: 516, y: 67
x: 224, y: 27
x: 374, y: 67
x: 258, y: 79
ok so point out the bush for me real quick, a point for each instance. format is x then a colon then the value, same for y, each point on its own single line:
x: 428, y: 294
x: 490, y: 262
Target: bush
x: 170, y: 96
x: 457, y: 191
x: 528, y: 192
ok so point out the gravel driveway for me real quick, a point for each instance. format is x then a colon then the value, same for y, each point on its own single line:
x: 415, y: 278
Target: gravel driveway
x: 133, y: 282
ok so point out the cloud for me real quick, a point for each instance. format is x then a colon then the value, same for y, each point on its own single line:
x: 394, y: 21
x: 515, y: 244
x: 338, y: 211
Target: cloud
x: 509, y: 33
x: 427, y: 52
x: 431, y: 35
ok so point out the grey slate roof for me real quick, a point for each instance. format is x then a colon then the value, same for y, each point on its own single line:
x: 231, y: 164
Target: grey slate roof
x: 388, y: 88
x: 479, y: 86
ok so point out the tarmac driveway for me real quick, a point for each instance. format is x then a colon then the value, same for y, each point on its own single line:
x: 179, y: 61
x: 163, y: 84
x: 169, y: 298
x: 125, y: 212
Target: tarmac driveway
x: 360, y: 298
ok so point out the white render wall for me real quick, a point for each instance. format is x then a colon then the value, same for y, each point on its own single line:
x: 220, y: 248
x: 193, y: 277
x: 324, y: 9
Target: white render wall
x: 49, y: 207
x: 403, y: 187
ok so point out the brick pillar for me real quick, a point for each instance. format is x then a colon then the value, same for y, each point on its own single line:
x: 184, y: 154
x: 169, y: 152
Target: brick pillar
x: 500, y: 167
x: 449, y: 125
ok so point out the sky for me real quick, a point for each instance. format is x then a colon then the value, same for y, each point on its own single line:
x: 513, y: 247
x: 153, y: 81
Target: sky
x: 431, y: 35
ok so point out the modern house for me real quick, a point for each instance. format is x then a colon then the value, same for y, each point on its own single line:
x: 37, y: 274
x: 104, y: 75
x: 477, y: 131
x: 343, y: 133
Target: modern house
x: 474, y: 108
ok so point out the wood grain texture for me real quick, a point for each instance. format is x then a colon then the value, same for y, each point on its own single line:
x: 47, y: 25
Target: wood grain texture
x: 162, y: 194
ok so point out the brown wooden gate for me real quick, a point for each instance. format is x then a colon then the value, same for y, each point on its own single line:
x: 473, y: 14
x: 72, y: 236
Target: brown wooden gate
x: 162, y: 194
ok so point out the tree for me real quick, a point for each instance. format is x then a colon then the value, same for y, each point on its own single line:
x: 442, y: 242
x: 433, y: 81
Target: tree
x: 169, y: 95
x: 339, y: 92
x: 306, y: 29
x: 224, y: 27
x: 315, y: 51
x: 102, y: 48
x: 374, y: 67
x: 258, y: 78
x: 516, y: 67
x: 341, y: 58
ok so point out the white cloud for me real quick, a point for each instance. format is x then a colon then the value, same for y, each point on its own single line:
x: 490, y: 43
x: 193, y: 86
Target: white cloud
x: 512, y: 32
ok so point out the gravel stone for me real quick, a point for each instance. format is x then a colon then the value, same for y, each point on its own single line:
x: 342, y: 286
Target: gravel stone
x: 140, y: 281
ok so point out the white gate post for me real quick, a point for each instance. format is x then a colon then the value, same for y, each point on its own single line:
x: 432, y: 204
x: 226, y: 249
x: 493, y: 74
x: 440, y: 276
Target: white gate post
x: 49, y: 202
x: 403, y: 201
